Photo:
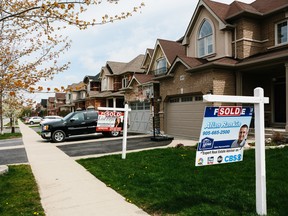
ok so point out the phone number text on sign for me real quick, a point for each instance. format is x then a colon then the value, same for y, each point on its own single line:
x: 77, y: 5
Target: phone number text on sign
x: 215, y: 132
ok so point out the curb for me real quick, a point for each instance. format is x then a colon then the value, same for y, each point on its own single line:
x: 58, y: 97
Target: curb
x: 3, y: 169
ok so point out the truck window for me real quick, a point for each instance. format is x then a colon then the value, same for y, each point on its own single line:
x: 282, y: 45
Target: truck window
x: 92, y: 115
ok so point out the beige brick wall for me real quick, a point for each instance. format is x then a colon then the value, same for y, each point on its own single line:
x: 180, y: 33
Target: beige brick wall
x: 268, y: 28
x: 248, y: 38
x: 255, y: 36
x: 221, y: 82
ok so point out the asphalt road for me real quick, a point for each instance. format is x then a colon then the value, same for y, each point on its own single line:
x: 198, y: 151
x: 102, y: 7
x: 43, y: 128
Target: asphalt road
x: 13, y: 151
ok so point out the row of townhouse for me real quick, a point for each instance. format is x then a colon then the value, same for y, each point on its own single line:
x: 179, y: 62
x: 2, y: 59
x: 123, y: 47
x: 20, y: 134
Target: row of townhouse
x: 225, y: 50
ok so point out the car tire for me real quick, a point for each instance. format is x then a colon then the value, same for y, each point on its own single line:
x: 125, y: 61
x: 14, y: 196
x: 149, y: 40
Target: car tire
x: 114, y: 133
x: 58, y: 136
x: 31, y: 123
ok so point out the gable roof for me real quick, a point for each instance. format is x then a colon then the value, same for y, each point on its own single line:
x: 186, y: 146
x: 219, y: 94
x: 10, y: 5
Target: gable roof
x: 171, y: 49
x: 141, y: 79
x: 89, y: 78
x: 236, y: 8
x: 76, y: 86
x: 115, y: 67
x: 134, y: 65
x: 219, y: 9
x: 60, y: 95
x: 224, y: 12
x: 51, y: 99
x: 147, y: 58
x: 118, y: 68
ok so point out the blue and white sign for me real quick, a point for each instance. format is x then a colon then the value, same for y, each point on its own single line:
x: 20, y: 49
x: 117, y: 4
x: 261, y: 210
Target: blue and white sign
x: 223, y: 134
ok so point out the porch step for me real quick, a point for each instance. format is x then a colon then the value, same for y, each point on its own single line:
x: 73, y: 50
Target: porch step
x: 269, y: 132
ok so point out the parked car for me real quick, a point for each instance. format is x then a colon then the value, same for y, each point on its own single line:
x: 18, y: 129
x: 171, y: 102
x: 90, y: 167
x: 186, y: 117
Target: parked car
x: 75, y: 123
x: 33, y: 120
x: 51, y: 118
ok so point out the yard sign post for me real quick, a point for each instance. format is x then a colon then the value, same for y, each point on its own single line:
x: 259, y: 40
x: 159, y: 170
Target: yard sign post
x: 126, y: 109
x: 258, y: 100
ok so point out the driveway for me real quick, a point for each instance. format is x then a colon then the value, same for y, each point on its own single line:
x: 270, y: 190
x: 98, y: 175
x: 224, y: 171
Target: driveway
x: 109, y: 145
x: 12, y: 151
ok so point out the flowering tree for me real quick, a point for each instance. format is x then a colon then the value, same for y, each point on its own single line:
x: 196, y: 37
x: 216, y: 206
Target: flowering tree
x: 31, y: 40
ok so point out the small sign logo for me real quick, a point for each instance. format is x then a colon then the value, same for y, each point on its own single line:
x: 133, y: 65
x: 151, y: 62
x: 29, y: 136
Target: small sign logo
x: 206, y: 143
x: 200, y: 161
x: 219, y: 159
x: 210, y: 160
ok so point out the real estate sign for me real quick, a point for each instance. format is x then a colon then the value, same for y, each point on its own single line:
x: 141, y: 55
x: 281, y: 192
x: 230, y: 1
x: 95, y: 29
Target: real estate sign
x: 110, y: 121
x: 223, y: 135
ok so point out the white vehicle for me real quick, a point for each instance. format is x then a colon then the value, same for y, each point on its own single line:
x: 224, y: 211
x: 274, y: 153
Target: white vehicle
x: 51, y: 118
x: 34, y: 120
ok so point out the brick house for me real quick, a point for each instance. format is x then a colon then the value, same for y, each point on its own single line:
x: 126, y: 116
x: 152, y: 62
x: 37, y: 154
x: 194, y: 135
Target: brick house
x: 115, y: 77
x: 228, y: 50
x: 75, y: 97
x: 51, y: 107
x: 93, y: 88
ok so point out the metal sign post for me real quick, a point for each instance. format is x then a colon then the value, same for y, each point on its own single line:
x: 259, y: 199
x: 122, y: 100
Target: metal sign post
x: 126, y: 109
x: 258, y: 100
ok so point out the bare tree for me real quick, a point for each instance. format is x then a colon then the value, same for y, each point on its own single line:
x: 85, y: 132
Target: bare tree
x: 31, y: 40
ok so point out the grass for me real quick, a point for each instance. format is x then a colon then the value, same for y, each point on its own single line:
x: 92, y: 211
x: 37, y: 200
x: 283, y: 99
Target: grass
x: 166, y: 182
x: 19, y: 193
x: 10, y: 136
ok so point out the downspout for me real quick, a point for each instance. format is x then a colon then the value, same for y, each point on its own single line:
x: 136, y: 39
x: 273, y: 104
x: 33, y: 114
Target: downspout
x: 235, y: 42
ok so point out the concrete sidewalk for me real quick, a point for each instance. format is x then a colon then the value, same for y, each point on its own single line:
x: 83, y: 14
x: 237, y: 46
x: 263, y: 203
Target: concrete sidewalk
x: 66, y: 188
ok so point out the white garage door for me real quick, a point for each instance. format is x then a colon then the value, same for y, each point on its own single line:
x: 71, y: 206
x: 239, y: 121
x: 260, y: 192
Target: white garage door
x: 140, y: 117
x: 184, y: 116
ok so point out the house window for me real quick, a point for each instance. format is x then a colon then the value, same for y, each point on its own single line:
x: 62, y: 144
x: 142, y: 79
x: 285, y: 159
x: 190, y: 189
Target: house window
x: 174, y: 100
x: 104, y: 84
x: 161, y: 66
x: 187, y: 99
x: 282, y: 32
x: 205, y: 39
x: 140, y: 106
x: 124, y: 82
x: 83, y: 95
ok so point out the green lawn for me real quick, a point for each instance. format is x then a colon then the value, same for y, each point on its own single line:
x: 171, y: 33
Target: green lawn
x: 10, y: 136
x: 166, y: 182
x: 19, y: 193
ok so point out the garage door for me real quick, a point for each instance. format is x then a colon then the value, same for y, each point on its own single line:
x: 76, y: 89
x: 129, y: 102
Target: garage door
x: 140, y: 117
x: 184, y: 116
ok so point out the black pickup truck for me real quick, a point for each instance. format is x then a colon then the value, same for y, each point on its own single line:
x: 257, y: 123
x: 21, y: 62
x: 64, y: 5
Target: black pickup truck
x: 75, y: 123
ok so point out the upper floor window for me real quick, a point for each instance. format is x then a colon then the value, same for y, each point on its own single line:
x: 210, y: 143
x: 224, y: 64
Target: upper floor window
x: 205, y: 39
x: 104, y: 84
x: 124, y: 82
x: 282, y: 32
x: 161, y: 66
x: 82, y: 94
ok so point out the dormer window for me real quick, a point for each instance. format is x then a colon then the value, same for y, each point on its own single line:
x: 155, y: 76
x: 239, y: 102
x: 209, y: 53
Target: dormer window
x: 124, y: 82
x: 104, y: 84
x: 161, y: 66
x: 205, y: 39
x: 282, y: 33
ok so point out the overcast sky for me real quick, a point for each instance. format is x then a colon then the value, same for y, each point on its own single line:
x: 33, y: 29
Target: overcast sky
x: 123, y: 40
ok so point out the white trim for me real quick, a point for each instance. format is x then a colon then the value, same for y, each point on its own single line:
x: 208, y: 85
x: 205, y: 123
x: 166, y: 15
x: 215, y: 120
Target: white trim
x: 206, y: 53
x: 276, y: 33
x: 250, y: 40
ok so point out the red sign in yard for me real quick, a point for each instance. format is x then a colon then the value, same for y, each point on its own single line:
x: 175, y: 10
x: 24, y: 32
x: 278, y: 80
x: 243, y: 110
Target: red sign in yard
x: 230, y: 111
